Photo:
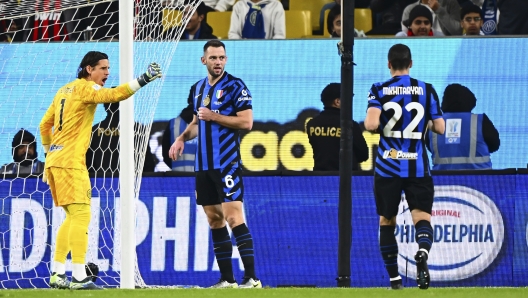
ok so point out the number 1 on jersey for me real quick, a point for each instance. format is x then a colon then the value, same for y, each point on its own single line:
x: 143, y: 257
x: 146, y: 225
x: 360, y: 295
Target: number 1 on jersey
x: 63, y: 101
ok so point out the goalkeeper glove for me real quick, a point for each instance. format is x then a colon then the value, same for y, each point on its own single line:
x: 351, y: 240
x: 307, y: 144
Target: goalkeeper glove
x: 153, y: 72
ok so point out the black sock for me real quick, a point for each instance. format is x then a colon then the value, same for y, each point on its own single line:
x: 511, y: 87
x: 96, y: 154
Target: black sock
x: 244, y: 242
x: 223, y: 249
x: 389, y: 250
x: 424, y: 235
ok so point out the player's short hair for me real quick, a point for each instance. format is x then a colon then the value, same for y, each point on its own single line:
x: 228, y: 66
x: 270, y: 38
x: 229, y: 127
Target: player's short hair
x: 91, y: 58
x: 330, y: 92
x: 215, y: 43
x: 400, y: 57
x: 469, y: 7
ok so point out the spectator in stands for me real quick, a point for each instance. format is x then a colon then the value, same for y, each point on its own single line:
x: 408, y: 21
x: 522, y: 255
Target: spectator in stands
x: 45, y: 23
x: 469, y: 138
x: 419, y: 23
x: 324, y: 133
x: 286, y: 4
x: 75, y: 25
x: 197, y: 27
x: 103, y: 155
x: 476, y: 2
x: 513, y: 17
x: 333, y: 23
x: 218, y: 5
x: 269, y: 20
x: 471, y: 19
x: 103, y: 19
x: 389, y: 16
x: 10, y: 30
x: 328, y: 6
x: 24, y: 155
x: 446, y: 15
x: 176, y: 126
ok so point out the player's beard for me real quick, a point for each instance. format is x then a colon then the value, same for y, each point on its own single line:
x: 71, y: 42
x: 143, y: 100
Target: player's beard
x: 213, y: 74
x: 25, y: 159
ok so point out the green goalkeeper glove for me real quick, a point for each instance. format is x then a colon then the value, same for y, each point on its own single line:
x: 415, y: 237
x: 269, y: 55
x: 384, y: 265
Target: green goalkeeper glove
x: 153, y: 72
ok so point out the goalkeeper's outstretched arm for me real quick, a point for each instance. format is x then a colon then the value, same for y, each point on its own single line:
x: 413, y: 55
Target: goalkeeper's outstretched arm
x: 96, y: 94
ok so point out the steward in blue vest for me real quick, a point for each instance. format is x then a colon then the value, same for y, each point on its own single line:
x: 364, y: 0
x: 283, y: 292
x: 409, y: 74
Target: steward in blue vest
x: 185, y: 162
x: 469, y: 138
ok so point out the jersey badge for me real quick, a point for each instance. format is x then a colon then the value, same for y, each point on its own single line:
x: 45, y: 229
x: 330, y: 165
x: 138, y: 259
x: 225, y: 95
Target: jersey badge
x: 206, y: 101
x: 219, y: 93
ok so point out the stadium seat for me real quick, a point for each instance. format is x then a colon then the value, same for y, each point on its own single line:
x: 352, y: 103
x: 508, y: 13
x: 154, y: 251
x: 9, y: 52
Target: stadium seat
x: 314, y: 6
x: 171, y: 18
x: 325, y: 26
x: 298, y: 23
x: 220, y: 21
x: 362, y: 20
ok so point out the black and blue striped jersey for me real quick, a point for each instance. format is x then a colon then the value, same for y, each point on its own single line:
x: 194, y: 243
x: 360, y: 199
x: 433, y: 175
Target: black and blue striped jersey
x: 218, y: 146
x: 406, y: 106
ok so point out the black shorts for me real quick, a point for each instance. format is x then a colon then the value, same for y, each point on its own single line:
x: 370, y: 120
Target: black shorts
x: 214, y: 187
x: 419, y: 193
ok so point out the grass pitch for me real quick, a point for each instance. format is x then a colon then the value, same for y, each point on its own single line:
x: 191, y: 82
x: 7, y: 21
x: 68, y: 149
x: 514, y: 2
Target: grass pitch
x: 275, y: 292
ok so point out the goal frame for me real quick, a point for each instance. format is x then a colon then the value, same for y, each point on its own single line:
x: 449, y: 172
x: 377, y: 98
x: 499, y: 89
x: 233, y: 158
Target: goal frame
x: 126, y: 148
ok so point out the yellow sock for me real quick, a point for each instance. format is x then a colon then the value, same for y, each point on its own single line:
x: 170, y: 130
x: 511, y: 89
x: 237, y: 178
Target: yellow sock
x: 80, y: 219
x: 62, y: 245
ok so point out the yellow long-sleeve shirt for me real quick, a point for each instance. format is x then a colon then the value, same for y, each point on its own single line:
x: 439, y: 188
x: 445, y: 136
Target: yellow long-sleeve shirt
x: 71, y: 115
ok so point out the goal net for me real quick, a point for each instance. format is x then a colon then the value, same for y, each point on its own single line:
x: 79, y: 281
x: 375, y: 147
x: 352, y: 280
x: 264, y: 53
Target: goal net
x: 41, y: 45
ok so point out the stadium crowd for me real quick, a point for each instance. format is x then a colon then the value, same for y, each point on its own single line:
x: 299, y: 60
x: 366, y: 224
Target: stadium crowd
x: 271, y: 19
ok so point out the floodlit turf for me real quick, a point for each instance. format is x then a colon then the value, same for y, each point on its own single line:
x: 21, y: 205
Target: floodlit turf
x: 276, y: 292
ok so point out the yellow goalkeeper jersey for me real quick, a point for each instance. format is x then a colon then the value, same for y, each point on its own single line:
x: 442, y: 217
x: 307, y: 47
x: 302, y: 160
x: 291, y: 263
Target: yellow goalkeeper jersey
x: 67, y: 125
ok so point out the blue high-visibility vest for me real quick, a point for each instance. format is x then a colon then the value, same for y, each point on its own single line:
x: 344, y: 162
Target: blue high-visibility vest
x: 462, y: 147
x: 185, y: 162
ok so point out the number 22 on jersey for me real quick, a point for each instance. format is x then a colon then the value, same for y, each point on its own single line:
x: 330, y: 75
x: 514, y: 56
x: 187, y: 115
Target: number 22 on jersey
x: 407, y: 132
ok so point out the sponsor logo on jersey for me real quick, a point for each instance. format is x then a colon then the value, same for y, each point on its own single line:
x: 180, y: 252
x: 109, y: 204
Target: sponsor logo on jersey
x: 244, y: 92
x: 244, y: 98
x: 411, y: 90
x: 398, y: 154
x: 55, y: 148
x: 468, y: 234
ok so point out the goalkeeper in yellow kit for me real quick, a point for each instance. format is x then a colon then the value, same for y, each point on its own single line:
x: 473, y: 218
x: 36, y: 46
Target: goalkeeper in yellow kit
x: 71, y: 115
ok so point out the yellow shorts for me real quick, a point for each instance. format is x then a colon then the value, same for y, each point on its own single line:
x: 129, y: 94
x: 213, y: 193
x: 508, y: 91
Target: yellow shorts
x: 69, y: 186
